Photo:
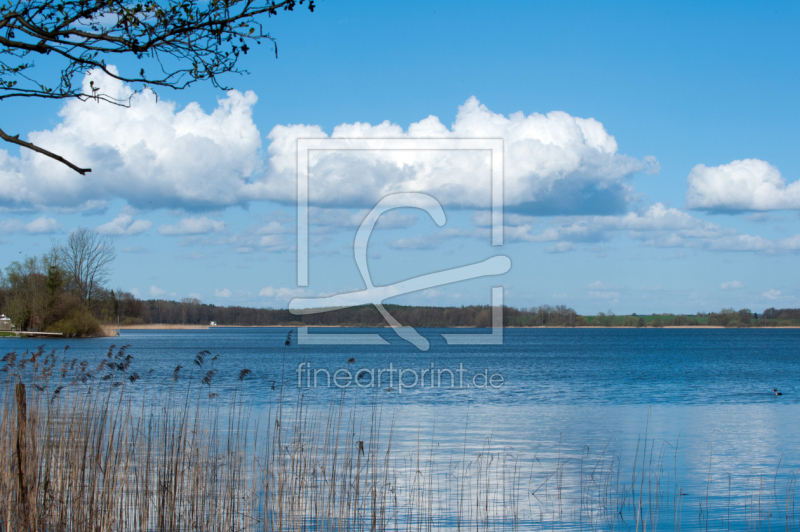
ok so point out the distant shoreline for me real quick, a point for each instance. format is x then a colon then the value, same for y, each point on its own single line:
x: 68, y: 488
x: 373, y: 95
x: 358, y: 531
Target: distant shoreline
x: 162, y: 326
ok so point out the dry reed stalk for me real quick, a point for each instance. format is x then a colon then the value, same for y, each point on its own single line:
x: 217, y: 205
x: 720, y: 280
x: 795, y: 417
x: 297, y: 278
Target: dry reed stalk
x: 95, y: 449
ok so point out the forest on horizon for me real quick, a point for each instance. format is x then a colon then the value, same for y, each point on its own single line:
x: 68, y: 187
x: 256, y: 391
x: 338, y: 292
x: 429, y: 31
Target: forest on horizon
x: 65, y: 290
x: 193, y: 312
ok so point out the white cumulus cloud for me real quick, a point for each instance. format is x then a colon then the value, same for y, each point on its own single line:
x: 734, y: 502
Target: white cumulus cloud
x: 222, y: 293
x: 155, y: 154
x: 151, y: 154
x: 124, y: 225
x: 554, y: 163
x: 194, y: 225
x: 656, y: 226
x: 156, y: 291
x: 772, y: 294
x: 656, y: 220
x: 41, y: 225
x: 749, y: 184
x: 283, y: 293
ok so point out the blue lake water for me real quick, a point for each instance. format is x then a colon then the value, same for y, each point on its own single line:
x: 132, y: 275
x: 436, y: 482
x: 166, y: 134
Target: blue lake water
x: 566, y: 394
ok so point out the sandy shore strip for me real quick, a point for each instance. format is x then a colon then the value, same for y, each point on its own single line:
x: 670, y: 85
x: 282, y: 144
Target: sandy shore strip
x: 155, y: 326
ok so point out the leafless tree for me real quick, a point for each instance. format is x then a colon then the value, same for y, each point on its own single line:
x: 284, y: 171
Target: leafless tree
x: 184, y: 41
x: 86, y: 258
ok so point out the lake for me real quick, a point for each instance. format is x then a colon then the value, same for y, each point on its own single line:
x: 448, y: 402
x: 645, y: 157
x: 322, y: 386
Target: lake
x: 697, y: 403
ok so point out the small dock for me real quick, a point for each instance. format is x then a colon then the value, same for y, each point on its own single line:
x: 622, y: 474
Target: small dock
x: 35, y: 333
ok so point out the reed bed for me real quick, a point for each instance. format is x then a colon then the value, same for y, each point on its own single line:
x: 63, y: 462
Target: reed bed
x: 97, y: 447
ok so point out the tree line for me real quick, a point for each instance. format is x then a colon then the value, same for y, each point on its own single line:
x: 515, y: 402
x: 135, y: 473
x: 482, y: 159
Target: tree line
x: 64, y: 289
x: 191, y: 311
x: 726, y: 317
x: 782, y: 314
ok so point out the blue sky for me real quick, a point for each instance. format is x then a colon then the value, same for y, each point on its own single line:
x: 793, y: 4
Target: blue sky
x: 607, y: 111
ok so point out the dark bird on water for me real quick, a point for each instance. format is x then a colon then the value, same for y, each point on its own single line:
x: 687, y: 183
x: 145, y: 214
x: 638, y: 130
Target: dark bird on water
x: 776, y: 391
x: 351, y: 361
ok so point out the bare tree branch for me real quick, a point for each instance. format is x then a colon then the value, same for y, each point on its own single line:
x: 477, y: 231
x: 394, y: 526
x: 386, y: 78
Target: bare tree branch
x: 185, y: 40
x: 87, y: 258
x: 15, y: 140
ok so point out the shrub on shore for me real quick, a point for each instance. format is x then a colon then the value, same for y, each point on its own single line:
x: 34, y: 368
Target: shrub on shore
x: 79, y: 323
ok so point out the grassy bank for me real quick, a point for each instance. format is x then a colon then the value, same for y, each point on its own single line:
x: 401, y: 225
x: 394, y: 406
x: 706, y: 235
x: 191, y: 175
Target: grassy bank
x: 97, y: 447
